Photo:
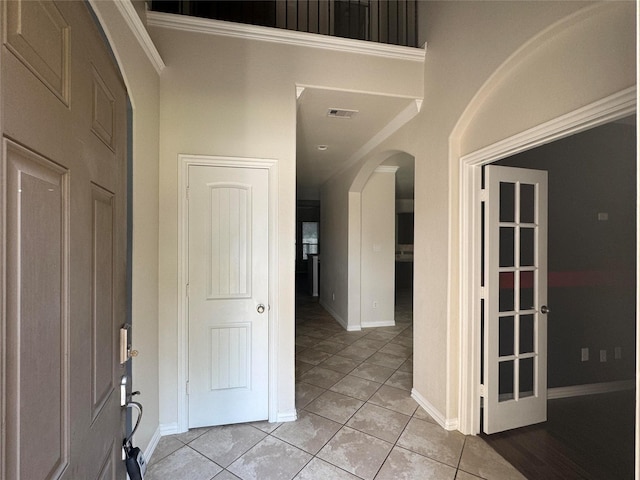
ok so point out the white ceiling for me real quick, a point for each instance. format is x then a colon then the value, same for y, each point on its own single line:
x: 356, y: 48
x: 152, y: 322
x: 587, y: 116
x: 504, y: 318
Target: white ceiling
x: 343, y: 137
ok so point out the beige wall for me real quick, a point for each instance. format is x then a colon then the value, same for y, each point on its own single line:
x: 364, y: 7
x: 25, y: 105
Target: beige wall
x: 538, y: 61
x: 341, y: 239
x: 378, y: 249
x: 334, y: 241
x: 143, y: 86
x: 239, y: 99
x: 576, y: 61
x: 468, y: 41
x: 236, y: 97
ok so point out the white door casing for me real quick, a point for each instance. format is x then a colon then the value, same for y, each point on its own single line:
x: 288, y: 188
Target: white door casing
x: 515, y: 300
x: 228, y: 295
x: 615, y: 106
x: 63, y: 238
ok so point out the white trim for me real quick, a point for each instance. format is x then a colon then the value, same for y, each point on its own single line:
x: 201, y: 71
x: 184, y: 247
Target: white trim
x: 134, y: 22
x: 282, y: 36
x: 418, y: 101
x: 184, y: 162
x: 153, y: 443
x: 169, y: 429
x: 338, y: 318
x: 446, y: 423
x: 136, y: 26
x: 290, y: 416
x: 354, y: 259
x: 386, y: 323
x: 451, y: 424
x: 470, y: 347
x: 386, y: 169
x: 590, y: 389
x: 610, y: 108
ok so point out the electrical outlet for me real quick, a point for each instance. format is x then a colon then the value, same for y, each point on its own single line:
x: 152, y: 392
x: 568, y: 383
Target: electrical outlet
x: 617, y: 353
x: 603, y: 355
x: 584, y: 355
x: 375, y: 304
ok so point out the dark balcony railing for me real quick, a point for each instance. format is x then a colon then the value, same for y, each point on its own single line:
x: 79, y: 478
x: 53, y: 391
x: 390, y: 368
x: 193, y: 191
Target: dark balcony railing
x: 383, y: 21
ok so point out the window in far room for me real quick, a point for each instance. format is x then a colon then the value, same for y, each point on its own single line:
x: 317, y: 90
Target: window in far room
x: 309, y: 239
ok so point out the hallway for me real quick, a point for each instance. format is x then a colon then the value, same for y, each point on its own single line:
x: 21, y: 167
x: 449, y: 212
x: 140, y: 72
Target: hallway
x: 356, y: 419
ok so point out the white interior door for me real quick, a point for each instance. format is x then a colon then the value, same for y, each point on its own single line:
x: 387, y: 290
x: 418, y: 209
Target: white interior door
x: 228, y: 295
x: 63, y: 190
x: 515, y: 305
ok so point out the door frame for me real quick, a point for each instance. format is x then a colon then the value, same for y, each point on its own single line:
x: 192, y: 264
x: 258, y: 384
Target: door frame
x: 184, y: 162
x: 613, y: 107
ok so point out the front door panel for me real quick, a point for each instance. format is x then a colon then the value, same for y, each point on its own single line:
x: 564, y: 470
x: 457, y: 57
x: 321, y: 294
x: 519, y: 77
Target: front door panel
x: 64, y: 141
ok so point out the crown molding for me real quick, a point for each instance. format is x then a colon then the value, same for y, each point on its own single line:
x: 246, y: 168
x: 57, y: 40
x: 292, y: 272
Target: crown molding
x: 128, y: 12
x: 608, y: 109
x: 287, y: 37
x: 386, y: 169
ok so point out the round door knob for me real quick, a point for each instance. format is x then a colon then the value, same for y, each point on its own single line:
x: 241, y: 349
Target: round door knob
x: 260, y: 308
x: 544, y: 309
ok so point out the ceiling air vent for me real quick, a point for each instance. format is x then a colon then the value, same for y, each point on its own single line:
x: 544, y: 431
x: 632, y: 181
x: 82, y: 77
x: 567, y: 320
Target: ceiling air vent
x: 341, y: 113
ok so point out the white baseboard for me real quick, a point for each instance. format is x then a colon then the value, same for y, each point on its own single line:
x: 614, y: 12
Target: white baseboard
x: 386, y: 323
x: 338, y: 318
x: 590, y: 389
x: 169, y: 429
x: 446, y: 423
x: 452, y: 424
x: 290, y: 416
x: 153, y: 443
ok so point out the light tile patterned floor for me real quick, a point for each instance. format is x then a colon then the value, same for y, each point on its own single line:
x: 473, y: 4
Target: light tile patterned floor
x: 356, y: 420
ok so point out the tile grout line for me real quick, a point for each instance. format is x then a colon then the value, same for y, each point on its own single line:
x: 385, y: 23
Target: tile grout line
x: 341, y: 425
x: 365, y: 402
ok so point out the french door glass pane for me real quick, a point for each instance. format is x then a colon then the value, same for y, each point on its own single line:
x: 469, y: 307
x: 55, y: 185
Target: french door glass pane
x: 527, y: 293
x: 526, y: 377
x: 505, y: 381
x: 507, y: 244
x: 506, y: 337
x: 507, y: 202
x: 506, y: 295
x: 527, y: 203
x: 526, y: 334
x: 527, y: 246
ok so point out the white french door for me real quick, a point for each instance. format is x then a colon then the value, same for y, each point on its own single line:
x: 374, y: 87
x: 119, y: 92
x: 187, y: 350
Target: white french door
x: 228, y: 294
x: 515, y: 299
